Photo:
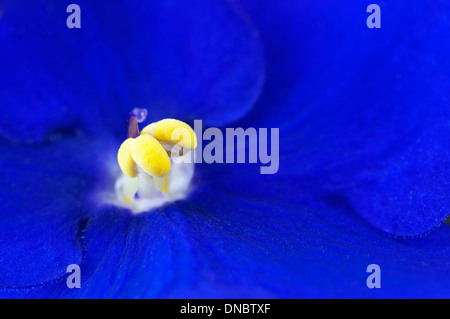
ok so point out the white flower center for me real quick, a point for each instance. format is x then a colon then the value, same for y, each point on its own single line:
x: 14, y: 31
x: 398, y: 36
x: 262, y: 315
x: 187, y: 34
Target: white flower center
x: 145, y: 192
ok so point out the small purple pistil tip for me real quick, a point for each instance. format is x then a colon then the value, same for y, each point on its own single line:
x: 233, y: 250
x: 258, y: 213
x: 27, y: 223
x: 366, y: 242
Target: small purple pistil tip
x: 135, y: 117
x: 141, y: 114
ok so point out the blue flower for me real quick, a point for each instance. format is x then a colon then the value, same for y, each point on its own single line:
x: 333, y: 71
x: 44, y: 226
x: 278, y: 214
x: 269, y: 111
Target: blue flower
x: 364, y: 136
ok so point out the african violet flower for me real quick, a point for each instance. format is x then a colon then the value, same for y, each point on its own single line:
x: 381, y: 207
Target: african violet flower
x: 364, y: 135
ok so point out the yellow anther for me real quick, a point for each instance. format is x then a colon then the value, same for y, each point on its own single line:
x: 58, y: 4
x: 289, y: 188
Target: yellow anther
x: 125, y: 160
x: 163, y: 184
x: 172, y: 131
x: 148, y: 153
x: 127, y: 199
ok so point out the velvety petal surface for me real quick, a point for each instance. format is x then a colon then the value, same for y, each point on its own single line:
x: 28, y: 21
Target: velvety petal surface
x: 196, y: 60
x: 240, y: 234
x: 234, y: 239
x: 363, y: 112
x: 44, y: 195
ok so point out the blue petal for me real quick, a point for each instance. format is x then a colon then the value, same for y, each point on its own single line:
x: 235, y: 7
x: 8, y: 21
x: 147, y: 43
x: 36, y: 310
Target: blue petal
x: 42, y: 201
x: 363, y: 111
x: 195, y: 60
x: 267, y: 237
x: 234, y: 239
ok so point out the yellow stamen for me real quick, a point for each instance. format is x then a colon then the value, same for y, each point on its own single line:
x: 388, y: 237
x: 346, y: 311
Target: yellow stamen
x: 173, y: 131
x: 148, y: 153
x: 163, y: 184
x: 125, y: 160
x: 127, y: 199
x: 145, y: 161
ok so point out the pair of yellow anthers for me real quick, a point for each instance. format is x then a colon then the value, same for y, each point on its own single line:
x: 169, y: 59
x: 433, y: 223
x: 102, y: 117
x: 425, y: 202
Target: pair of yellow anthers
x: 151, y: 151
